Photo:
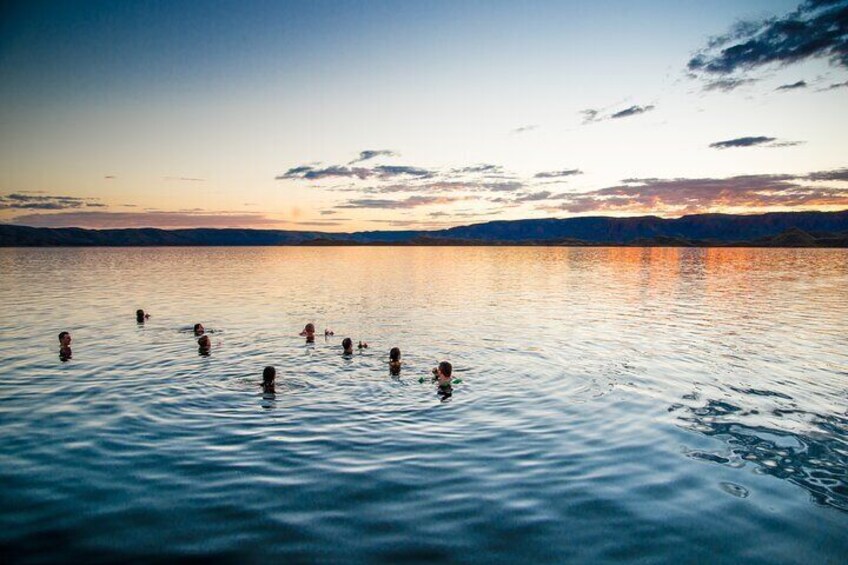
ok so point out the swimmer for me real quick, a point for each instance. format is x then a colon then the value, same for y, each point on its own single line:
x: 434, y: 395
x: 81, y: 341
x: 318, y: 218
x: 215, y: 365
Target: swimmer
x: 65, y: 346
x: 328, y: 332
x: 442, y: 374
x: 363, y: 345
x: 198, y: 329
x: 140, y: 316
x: 394, y: 361
x: 268, y: 376
x: 204, y: 344
x: 347, y: 345
x: 309, y: 333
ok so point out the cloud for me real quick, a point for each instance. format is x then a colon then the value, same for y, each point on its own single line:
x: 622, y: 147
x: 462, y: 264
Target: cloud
x: 727, y: 84
x: 27, y: 201
x: 431, y: 186
x: 817, y: 28
x: 690, y: 196
x: 835, y: 86
x: 185, y: 179
x: 156, y: 219
x: 109, y: 177
x: 558, y: 174
x: 308, y: 172
x: 592, y: 115
x: 793, y: 86
x: 524, y: 129
x: 373, y: 153
x: 328, y: 212
x: 534, y: 196
x: 478, y: 169
x: 405, y: 204
x: 753, y: 141
x: 631, y: 111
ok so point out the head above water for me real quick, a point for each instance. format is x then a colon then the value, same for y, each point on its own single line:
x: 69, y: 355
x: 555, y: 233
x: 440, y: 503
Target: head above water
x: 310, y: 328
x: 198, y: 329
x: 347, y: 344
x: 204, y: 342
x: 446, y: 368
x: 139, y: 314
x: 64, y: 338
x: 394, y: 354
x: 269, y: 374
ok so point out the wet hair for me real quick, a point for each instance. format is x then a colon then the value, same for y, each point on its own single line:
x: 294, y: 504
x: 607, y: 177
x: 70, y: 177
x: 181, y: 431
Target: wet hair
x: 446, y: 368
x: 204, y: 342
x: 268, y: 375
x: 139, y: 315
x: 197, y: 327
x: 309, y: 328
x: 394, y: 354
x: 347, y: 343
x: 62, y: 335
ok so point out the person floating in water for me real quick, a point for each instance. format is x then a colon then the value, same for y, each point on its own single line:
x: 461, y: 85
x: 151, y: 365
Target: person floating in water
x: 141, y: 317
x: 328, y: 332
x: 204, y: 345
x: 394, y: 361
x: 268, y: 377
x: 199, y: 329
x: 309, y: 333
x: 347, y: 345
x: 65, y: 346
x: 442, y: 374
x: 363, y: 345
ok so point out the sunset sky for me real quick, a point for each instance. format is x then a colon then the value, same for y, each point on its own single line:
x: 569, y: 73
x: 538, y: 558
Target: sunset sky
x: 356, y: 115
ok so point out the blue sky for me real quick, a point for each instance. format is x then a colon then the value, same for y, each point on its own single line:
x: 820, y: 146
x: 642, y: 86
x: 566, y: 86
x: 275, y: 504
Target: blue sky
x: 257, y: 114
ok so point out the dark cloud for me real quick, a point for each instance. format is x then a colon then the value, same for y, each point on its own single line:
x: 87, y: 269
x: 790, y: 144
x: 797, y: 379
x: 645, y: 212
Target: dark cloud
x: 156, y: 219
x: 793, y: 86
x: 524, y: 129
x: 689, y: 196
x: 593, y: 115
x: 328, y: 212
x: 631, y: 111
x: 834, y: 175
x: 308, y: 172
x: 407, y: 203
x: 727, y: 84
x: 109, y: 177
x: 817, y: 28
x: 534, y: 196
x: 557, y: 174
x: 373, y: 153
x: 753, y: 141
x: 440, y: 186
x: 478, y: 169
x: 29, y: 201
x: 837, y: 85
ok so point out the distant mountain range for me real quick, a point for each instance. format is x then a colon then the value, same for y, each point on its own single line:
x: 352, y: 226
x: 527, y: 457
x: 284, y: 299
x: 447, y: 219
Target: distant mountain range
x: 779, y: 229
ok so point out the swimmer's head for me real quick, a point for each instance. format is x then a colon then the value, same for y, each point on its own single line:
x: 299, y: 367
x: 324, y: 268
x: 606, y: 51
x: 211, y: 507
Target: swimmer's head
x: 204, y: 342
x: 64, y: 339
x: 347, y: 344
x: 394, y: 354
x: 268, y: 375
x: 139, y: 315
x: 198, y: 329
x: 310, y: 328
x: 445, y: 369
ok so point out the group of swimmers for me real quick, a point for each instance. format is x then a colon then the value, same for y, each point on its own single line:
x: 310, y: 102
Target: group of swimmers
x: 442, y: 374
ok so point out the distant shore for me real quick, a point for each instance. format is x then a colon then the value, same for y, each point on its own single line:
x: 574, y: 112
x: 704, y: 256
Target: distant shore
x: 777, y: 229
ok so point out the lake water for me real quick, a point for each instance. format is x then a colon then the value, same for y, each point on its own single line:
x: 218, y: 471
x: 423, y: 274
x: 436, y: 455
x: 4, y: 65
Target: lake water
x: 615, y: 404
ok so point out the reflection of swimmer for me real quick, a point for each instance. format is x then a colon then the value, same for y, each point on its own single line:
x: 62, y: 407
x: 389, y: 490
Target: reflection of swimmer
x: 198, y: 329
x: 65, y: 346
x: 141, y: 317
x: 394, y: 361
x: 204, y: 345
x: 268, y: 377
x: 347, y: 345
x: 309, y: 333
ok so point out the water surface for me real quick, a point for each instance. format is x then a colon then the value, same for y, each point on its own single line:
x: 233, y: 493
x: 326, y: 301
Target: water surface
x: 615, y: 404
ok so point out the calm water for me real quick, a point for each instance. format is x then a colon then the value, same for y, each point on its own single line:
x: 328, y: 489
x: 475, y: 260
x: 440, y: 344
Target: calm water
x: 615, y: 404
